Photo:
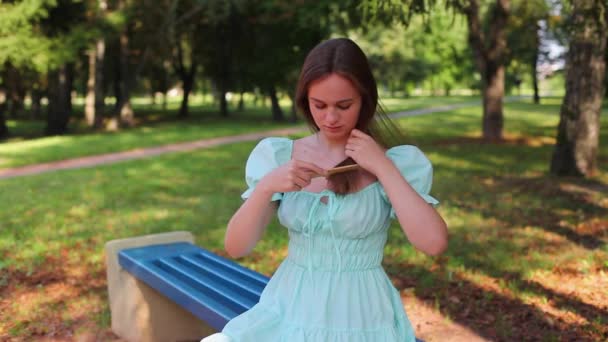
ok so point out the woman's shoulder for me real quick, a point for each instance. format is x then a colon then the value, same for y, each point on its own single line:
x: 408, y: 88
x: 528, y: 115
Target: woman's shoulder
x: 415, y: 167
x: 409, y: 158
x: 276, y: 150
x: 405, y: 152
x: 274, y: 142
x: 305, y: 148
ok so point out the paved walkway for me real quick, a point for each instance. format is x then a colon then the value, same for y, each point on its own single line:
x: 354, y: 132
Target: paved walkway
x: 437, y: 109
x: 109, y: 158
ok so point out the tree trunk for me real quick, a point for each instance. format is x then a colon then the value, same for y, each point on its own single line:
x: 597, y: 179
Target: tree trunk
x: 493, y: 93
x: 3, y: 105
x: 89, y: 101
x: 36, y: 95
x: 277, y: 112
x: 223, y: 102
x: 535, y: 83
x: 17, y: 103
x: 489, y: 59
x: 95, y: 103
x: 60, y: 99
x: 15, y: 91
x: 187, y: 84
x: 241, y: 103
x: 116, y: 86
x: 124, y: 110
x: 3, y: 127
x: 534, y: 62
x: 186, y: 74
x: 575, y: 152
x: 183, y: 108
x: 294, y: 111
x: 204, y: 91
x: 606, y: 77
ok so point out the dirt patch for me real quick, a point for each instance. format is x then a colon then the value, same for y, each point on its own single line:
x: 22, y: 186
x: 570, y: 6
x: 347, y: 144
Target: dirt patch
x: 54, y: 302
x: 431, y: 325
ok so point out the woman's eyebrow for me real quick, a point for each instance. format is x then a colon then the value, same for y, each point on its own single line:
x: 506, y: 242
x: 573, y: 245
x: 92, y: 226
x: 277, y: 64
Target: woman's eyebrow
x: 340, y: 101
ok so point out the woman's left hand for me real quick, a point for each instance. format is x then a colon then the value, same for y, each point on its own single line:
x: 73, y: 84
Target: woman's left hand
x: 364, y: 150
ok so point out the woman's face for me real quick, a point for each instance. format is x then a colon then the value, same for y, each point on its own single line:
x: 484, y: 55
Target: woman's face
x: 335, y: 104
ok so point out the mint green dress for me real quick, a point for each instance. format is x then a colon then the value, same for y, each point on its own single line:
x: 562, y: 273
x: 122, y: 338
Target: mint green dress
x: 331, y: 286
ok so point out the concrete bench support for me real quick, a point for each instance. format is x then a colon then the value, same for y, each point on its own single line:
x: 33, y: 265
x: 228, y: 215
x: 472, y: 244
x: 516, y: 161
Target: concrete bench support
x: 140, y: 313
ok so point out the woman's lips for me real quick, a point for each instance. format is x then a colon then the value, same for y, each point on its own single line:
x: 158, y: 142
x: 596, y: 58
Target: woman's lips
x: 333, y: 128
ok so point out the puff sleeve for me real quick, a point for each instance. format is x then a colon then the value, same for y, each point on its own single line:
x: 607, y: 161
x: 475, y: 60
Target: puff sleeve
x: 263, y: 159
x: 416, y: 168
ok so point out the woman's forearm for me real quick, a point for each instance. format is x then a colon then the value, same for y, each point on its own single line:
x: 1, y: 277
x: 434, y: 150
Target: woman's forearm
x: 420, y: 222
x: 247, y: 225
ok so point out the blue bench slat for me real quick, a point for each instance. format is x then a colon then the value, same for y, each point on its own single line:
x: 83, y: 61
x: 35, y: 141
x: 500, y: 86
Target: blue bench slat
x: 261, y: 279
x: 251, y: 290
x: 166, y: 269
x: 199, y: 304
x: 255, y: 279
x: 154, y: 252
x: 215, y: 289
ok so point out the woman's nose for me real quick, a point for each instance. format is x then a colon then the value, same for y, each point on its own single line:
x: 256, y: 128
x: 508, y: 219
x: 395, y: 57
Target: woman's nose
x: 332, y: 115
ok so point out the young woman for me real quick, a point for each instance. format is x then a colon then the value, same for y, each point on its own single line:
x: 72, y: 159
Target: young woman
x: 331, y: 286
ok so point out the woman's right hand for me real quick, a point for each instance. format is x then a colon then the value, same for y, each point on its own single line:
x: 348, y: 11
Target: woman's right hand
x: 291, y: 176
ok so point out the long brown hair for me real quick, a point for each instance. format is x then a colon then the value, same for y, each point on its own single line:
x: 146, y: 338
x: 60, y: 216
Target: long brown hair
x: 345, y: 58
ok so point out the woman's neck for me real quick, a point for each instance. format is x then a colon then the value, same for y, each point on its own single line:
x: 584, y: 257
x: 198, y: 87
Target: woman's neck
x: 332, y: 147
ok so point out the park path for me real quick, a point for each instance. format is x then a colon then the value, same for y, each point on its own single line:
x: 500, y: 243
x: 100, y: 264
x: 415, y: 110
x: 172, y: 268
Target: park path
x: 109, y: 158
x: 139, y: 153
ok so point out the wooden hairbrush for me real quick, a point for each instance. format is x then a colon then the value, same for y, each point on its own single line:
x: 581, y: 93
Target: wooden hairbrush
x: 346, y: 165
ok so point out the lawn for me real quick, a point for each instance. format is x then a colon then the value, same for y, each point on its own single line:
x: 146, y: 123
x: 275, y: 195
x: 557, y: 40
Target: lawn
x: 527, y: 258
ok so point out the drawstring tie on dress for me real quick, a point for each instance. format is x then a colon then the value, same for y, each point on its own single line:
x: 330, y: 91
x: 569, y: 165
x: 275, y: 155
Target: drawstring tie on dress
x: 309, y: 228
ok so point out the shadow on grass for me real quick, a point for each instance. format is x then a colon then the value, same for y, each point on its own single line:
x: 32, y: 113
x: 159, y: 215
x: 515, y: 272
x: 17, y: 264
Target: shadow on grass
x: 571, y: 200
x: 53, y: 300
x: 494, y: 314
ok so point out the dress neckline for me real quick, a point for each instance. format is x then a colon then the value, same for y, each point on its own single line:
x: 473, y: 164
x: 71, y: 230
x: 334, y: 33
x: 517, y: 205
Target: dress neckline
x: 325, y: 191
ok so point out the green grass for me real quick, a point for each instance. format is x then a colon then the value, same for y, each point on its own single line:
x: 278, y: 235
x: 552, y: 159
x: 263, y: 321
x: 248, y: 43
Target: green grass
x: 510, y: 223
x: 28, y: 147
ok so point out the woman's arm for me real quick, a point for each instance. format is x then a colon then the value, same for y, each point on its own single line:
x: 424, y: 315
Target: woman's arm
x: 420, y: 222
x: 247, y: 225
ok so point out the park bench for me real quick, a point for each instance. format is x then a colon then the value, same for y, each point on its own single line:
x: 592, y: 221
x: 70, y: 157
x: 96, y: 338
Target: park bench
x: 162, y: 287
x: 209, y: 286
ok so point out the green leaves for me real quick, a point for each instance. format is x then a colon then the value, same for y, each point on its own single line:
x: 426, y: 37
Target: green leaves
x: 20, y: 44
x: 432, y: 50
x: 43, y: 34
x: 386, y: 11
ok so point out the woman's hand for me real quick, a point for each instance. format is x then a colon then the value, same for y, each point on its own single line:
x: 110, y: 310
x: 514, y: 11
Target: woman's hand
x: 291, y: 176
x: 364, y: 150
